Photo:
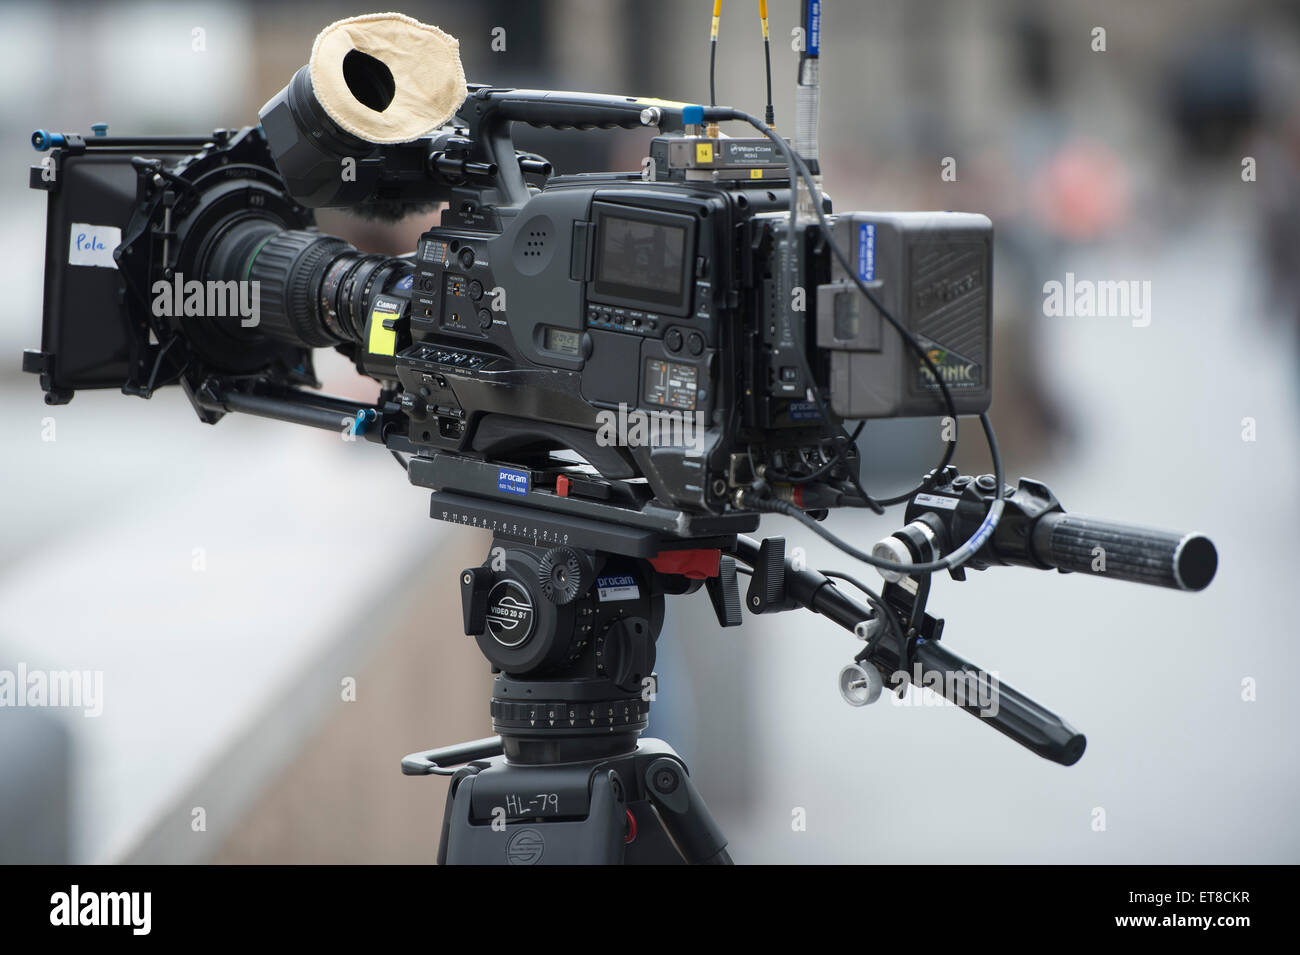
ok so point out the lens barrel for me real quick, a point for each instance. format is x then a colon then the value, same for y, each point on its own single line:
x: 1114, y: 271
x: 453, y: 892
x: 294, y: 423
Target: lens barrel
x: 290, y: 267
x: 315, y: 290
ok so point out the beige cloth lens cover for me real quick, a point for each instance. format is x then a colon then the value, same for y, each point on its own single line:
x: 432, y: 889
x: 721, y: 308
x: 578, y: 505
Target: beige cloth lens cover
x: 426, y: 68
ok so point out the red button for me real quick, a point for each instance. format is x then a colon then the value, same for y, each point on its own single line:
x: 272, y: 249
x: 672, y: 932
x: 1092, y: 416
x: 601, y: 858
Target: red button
x: 695, y: 564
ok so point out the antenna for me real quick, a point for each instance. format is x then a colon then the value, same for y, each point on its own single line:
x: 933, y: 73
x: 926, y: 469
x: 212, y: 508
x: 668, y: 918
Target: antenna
x: 713, y: 51
x: 807, y: 99
x: 769, y: 116
x: 808, y: 90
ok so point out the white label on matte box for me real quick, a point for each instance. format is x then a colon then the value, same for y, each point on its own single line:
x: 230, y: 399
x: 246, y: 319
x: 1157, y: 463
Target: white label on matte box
x: 93, y: 245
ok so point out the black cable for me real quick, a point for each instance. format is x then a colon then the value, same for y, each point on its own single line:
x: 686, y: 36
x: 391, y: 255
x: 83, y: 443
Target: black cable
x: 949, y: 446
x: 815, y: 474
x: 955, y: 558
x: 908, y: 338
x: 400, y: 460
x: 877, y: 603
x: 877, y: 506
x: 713, y: 51
x: 783, y: 477
x: 800, y: 353
x: 800, y: 169
x: 771, y: 119
x: 713, y: 64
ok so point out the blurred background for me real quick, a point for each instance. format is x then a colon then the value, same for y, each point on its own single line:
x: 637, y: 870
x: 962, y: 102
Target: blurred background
x: 275, y: 617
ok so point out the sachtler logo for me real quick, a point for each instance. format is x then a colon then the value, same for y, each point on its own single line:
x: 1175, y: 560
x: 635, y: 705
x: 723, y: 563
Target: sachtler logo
x: 525, y: 847
x: 509, y: 613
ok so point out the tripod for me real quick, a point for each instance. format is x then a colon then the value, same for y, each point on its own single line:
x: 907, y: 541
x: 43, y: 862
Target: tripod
x: 571, y: 633
x: 567, y: 610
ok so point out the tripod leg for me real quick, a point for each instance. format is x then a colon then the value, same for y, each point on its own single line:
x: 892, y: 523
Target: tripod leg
x: 448, y: 811
x: 682, y: 811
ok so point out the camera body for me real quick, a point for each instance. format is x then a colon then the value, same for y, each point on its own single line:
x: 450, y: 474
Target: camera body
x: 659, y: 338
x: 606, y: 297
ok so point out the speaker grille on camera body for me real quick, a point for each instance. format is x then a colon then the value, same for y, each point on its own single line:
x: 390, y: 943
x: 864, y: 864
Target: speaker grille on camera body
x: 533, y: 248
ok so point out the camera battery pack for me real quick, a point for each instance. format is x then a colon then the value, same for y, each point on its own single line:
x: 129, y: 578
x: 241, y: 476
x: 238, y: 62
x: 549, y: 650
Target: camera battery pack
x: 933, y: 272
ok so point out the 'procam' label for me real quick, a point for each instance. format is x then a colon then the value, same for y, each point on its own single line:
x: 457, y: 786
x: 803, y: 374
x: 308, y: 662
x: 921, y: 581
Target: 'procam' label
x: 510, y: 481
x: 617, y: 587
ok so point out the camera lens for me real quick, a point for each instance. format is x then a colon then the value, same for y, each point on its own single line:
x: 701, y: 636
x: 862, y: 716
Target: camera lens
x: 290, y: 267
x: 315, y: 289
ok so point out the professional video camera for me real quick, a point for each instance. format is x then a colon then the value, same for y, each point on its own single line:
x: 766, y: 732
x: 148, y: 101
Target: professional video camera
x: 614, y: 373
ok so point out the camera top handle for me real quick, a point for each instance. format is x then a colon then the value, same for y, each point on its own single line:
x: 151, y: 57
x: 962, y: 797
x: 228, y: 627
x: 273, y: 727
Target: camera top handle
x: 488, y: 113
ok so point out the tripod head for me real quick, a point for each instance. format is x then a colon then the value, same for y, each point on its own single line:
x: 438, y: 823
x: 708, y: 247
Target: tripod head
x: 571, y: 634
x: 567, y: 609
x: 567, y: 614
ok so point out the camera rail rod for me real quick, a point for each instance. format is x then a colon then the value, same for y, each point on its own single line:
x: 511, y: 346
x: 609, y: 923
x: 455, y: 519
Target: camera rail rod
x: 921, y: 657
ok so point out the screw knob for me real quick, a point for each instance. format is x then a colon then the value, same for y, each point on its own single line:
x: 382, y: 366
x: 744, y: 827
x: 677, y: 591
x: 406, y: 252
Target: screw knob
x: 564, y: 574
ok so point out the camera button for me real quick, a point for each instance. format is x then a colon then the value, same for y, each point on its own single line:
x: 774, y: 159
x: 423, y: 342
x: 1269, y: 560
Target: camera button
x: 673, y: 340
x: 695, y: 343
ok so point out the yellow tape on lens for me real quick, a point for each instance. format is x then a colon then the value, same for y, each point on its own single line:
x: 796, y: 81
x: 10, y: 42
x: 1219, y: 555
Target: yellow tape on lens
x: 383, y: 341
